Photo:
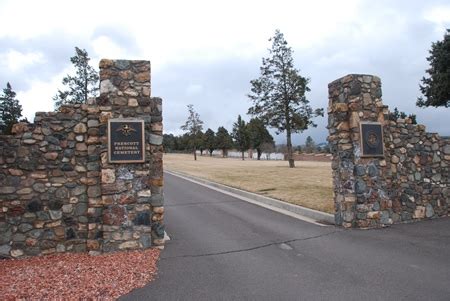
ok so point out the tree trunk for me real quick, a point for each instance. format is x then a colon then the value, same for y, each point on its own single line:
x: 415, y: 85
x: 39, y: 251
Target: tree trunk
x: 289, y: 148
x: 85, y: 85
x: 210, y: 153
x: 195, y: 154
x: 242, y: 156
x: 258, y: 150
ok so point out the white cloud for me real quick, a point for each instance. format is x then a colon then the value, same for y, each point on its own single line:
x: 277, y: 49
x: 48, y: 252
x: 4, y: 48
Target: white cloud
x: 16, y: 61
x: 439, y: 15
x: 38, y: 98
x: 194, y: 89
x: 104, y: 47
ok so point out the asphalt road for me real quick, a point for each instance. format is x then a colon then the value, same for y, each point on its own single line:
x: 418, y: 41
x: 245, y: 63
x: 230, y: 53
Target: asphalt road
x: 222, y: 248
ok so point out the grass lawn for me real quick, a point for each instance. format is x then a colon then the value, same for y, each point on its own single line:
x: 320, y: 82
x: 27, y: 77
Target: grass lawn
x: 308, y: 185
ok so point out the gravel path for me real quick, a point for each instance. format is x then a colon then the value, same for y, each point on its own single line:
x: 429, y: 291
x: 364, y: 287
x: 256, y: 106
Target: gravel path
x: 75, y: 276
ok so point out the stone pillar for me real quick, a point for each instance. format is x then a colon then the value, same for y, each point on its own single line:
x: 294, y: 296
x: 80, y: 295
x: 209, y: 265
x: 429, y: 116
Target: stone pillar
x: 131, y: 195
x: 359, y: 191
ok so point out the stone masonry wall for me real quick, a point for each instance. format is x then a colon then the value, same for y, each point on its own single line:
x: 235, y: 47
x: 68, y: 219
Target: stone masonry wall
x: 59, y: 193
x: 410, y: 183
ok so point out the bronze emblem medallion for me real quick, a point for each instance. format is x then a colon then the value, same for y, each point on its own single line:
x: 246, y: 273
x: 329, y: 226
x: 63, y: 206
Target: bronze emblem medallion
x: 372, y: 139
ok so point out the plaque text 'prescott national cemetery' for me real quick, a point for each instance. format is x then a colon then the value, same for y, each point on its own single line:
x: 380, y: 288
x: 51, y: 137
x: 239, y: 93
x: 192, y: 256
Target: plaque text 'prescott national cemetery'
x: 126, y: 141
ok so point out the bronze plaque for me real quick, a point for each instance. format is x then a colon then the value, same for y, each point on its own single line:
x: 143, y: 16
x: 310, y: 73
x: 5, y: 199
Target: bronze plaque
x: 372, y: 139
x: 126, y: 143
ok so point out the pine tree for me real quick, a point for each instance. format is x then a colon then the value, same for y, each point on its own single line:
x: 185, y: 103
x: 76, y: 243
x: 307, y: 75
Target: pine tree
x: 193, y: 126
x: 223, y: 140
x: 310, y: 145
x: 81, y: 86
x: 169, y: 141
x: 10, y: 110
x: 210, y: 141
x: 200, y: 138
x: 258, y: 135
x: 240, y: 135
x: 436, y: 87
x: 278, y: 95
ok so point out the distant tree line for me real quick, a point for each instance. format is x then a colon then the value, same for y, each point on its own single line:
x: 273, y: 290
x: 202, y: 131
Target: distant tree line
x: 222, y: 140
x: 310, y: 146
x: 243, y: 136
x: 396, y: 114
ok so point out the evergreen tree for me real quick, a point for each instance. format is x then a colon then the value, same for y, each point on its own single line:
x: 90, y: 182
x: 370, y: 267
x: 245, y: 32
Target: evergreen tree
x: 278, y: 95
x: 200, y: 138
x: 193, y: 126
x: 10, y: 110
x: 81, y: 86
x: 169, y: 143
x: 396, y: 114
x: 436, y: 87
x: 184, y: 142
x: 241, y: 136
x: 223, y: 140
x: 258, y: 135
x: 210, y: 141
x: 310, y: 145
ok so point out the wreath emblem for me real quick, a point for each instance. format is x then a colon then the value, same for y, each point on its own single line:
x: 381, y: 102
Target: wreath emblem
x: 372, y: 139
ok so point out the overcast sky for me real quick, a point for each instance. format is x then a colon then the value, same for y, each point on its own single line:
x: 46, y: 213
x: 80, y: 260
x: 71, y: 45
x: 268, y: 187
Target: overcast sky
x: 206, y: 52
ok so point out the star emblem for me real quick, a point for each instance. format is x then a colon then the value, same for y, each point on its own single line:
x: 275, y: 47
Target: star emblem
x: 126, y: 129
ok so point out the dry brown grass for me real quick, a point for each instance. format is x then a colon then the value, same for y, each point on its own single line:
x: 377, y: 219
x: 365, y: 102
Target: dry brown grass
x: 308, y: 185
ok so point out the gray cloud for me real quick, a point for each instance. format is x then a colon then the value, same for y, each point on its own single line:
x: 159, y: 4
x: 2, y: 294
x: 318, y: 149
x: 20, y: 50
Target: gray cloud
x: 225, y: 85
x: 399, y: 60
x: 389, y: 39
x: 120, y: 36
x: 220, y: 99
x: 56, y: 49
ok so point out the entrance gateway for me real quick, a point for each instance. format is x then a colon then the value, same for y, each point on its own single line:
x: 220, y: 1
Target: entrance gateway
x: 88, y: 177
x: 384, y: 171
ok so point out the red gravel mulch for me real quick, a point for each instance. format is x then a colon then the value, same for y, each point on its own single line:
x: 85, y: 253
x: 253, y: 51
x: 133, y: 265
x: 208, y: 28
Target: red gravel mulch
x: 75, y: 276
